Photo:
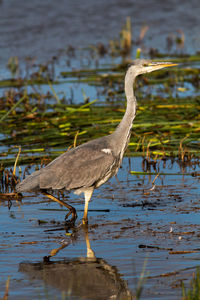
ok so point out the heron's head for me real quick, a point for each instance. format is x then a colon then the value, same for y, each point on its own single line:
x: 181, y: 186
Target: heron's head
x: 141, y: 66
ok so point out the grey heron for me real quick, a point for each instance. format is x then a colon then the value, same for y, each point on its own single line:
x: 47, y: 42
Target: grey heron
x: 88, y: 166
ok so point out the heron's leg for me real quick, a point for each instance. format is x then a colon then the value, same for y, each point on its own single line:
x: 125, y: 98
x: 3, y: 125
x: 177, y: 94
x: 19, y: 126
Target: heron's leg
x: 72, y: 210
x: 88, y: 195
x: 90, y: 252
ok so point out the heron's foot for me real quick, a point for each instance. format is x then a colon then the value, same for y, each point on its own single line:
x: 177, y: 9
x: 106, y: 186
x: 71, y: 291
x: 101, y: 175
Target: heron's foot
x: 72, y: 211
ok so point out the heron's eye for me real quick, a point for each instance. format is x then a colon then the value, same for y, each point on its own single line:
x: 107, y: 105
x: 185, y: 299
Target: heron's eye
x: 145, y: 65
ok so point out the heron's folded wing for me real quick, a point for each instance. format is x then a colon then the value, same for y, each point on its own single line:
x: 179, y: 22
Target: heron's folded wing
x: 79, y: 167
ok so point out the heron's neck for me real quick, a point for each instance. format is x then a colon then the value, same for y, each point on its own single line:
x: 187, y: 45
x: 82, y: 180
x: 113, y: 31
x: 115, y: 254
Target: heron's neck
x: 123, y: 130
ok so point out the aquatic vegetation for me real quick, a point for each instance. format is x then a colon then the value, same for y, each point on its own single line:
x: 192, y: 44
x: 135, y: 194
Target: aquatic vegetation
x: 45, y: 125
x: 165, y: 125
x: 123, y: 44
x: 193, y: 291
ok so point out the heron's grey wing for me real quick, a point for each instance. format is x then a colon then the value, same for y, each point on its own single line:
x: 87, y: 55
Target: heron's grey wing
x: 79, y: 167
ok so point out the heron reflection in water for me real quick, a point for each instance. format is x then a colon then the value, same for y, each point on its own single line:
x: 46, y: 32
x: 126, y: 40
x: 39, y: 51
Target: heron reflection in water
x: 88, y: 166
x: 80, y: 278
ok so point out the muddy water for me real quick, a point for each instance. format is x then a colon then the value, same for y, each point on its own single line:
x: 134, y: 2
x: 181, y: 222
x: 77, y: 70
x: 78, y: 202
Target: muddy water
x: 130, y: 224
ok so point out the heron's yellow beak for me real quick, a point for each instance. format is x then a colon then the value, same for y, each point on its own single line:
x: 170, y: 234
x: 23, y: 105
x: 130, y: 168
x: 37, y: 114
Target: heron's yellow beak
x: 163, y: 64
x: 153, y: 66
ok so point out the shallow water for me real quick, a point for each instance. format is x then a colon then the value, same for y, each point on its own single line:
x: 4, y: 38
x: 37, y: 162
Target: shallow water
x: 141, y: 225
x: 40, y: 29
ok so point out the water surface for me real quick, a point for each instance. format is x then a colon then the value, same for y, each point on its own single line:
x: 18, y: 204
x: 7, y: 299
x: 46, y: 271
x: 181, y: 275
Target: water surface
x: 129, y: 223
x: 40, y: 29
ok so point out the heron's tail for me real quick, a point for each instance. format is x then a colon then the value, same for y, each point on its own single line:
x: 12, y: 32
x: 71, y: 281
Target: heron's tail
x: 30, y: 183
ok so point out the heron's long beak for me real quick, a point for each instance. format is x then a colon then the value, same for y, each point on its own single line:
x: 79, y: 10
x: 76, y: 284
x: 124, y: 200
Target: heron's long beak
x: 164, y: 64
x: 159, y: 65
